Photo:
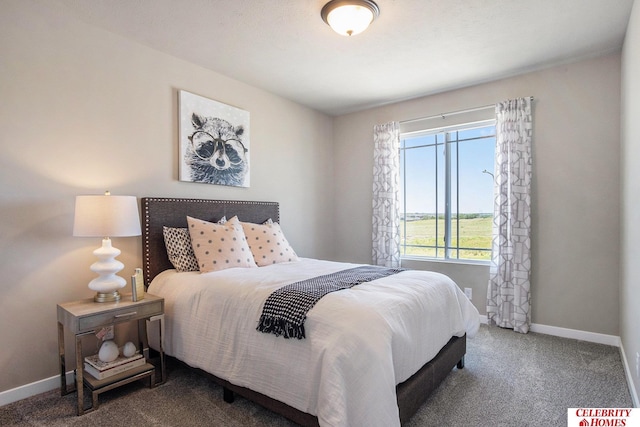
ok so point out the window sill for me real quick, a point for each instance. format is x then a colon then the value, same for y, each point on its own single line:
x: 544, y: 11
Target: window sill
x: 446, y: 261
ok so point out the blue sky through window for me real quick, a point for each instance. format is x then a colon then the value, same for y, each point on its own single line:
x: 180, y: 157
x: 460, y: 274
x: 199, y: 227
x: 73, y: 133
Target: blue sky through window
x: 475, y: 186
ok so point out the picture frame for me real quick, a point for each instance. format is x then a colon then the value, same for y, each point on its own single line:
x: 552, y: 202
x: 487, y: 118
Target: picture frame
x: 214, y: 142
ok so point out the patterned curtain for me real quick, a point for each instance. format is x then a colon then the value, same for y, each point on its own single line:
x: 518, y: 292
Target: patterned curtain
x: 386, y: 200
x: 508, y: 296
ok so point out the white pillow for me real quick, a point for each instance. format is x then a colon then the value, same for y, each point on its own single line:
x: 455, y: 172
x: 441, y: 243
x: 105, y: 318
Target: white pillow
x: 179, y: 250
x: 219, y: 246
x: 268, y: 244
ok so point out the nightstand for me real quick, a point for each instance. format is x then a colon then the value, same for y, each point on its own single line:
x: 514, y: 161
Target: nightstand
x: 84, y: 317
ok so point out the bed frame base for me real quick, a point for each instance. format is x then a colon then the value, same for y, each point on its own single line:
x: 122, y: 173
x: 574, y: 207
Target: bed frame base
x: 411, y: 394
x: 414, y: 392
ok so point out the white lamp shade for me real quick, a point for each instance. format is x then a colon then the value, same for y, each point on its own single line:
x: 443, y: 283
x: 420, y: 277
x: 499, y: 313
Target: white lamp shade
x: 106, y: 216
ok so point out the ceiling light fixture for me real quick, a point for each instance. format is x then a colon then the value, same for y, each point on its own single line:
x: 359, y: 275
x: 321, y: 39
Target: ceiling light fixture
x: 349, y: 17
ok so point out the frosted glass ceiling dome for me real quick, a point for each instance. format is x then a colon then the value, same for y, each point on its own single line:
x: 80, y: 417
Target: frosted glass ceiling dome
x: 349, y: 17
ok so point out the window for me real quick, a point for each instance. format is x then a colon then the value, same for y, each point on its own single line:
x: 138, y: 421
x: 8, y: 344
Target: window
x: 446, y: 206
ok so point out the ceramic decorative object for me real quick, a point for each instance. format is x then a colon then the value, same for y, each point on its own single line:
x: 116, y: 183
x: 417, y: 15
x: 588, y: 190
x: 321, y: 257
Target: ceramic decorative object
x: 129, y: 349
x: 108, y: 351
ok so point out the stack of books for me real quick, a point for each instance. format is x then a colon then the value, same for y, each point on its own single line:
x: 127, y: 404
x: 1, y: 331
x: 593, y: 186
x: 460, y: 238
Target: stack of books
x: 101, y: 370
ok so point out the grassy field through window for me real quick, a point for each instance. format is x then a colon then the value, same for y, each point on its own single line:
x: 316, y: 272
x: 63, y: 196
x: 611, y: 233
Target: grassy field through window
x: 475, y: 232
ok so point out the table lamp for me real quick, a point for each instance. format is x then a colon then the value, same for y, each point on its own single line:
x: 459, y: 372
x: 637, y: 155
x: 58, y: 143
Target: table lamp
x: 106, y: 216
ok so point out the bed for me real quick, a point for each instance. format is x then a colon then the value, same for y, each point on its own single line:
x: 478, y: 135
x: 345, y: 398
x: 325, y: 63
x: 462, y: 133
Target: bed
x: 356, y: 365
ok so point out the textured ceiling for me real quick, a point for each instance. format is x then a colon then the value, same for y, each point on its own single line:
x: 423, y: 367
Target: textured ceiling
x: 415, y: 47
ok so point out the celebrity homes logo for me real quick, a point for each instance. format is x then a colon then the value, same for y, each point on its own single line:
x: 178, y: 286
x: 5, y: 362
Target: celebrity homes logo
x: 603, y: 417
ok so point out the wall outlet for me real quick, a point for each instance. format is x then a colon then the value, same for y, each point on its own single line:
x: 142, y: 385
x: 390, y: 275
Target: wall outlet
x: 468, y: 292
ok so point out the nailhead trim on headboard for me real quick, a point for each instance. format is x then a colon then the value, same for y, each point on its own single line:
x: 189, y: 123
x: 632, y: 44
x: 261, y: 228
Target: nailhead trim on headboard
x: 172, y: 212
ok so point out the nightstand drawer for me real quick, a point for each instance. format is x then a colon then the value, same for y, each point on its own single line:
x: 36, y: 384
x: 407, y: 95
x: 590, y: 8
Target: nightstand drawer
x: 123, y: 314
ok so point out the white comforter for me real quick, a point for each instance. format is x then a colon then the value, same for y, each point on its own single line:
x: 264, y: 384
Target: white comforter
x: 361, y: 342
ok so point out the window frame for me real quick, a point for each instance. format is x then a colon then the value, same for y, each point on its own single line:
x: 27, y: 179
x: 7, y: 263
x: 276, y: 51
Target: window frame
x: 447, y: 145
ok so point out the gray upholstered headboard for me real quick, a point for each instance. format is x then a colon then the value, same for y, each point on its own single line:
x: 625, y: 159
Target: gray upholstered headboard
x: 172, y: 212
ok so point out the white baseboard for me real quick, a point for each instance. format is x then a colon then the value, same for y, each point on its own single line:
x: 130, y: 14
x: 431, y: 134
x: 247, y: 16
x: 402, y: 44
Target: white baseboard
x: 595, y: 337
x: 627, y: 372
x: 575, y: 334
x: 28, y: 390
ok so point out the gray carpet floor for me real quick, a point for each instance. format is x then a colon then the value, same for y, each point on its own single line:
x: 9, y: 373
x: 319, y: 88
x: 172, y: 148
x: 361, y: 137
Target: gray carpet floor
x: 509, y: 379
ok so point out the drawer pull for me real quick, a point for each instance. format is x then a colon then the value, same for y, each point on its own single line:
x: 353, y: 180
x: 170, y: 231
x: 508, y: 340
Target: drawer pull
x: 118, y: 316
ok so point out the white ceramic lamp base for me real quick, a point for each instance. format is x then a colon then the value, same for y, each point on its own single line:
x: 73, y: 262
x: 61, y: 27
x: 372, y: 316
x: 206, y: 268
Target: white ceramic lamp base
x: 107, y: 283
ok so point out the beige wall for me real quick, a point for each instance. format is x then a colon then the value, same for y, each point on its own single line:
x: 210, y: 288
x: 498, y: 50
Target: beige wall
x: 576, y: 155
x: 630, y: 230
x: 83, y: 110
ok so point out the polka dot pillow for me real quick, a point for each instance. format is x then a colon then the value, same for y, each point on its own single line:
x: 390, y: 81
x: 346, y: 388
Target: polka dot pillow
x: 268, y: 244
x: 179, y: 250
x: 219, y: 246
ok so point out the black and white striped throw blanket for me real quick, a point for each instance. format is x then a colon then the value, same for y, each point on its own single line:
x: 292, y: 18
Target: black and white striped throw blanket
x: 285, y: 310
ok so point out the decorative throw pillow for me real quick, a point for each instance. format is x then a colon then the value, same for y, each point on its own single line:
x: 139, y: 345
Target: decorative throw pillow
x: 219, y: 246
x: 179, y: 249
x: 267, y: 243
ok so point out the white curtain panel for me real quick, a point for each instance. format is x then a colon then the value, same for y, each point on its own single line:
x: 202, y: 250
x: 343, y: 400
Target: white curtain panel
x: 386, y: 198
x: 508, y: 296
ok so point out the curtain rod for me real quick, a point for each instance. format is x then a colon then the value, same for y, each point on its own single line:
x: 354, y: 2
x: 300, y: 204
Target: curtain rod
x: 452, y: 113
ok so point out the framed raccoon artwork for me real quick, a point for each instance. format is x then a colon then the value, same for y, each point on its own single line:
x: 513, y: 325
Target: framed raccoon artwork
x: 214, y: 142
